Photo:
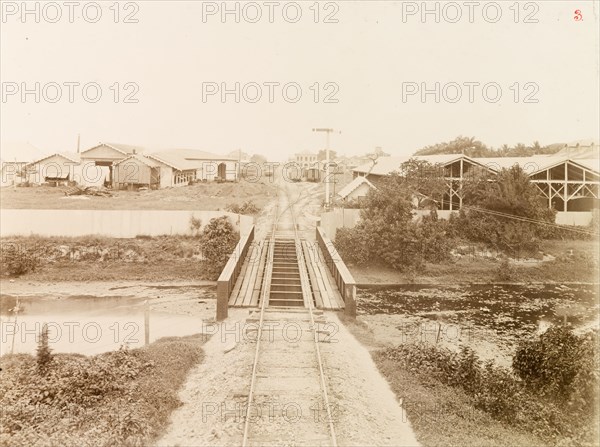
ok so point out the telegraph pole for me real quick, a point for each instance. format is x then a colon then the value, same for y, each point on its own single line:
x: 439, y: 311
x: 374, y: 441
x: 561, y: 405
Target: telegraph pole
x: 327, y: 132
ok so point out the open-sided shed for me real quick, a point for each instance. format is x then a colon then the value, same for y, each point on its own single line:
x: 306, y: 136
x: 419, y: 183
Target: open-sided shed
x: 97, y: 162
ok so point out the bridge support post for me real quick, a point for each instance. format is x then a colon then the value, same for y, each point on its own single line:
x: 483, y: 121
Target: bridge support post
x: 350, y: 301
x: 222, y: 300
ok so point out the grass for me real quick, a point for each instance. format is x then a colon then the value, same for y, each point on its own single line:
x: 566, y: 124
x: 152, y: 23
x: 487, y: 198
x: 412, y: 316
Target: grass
x: 450, y: 396
x: 95, y: 258
x: 122, y: 398
x: 200, y: 197
x: 575, y: 261
x: 445, y: 416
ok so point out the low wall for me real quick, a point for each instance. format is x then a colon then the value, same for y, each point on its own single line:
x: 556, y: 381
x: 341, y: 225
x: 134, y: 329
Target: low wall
x: 112, y: 223
x: 577, y: 218
x: 230, y: 273
x: 342, y: 276
x: 339, y: 218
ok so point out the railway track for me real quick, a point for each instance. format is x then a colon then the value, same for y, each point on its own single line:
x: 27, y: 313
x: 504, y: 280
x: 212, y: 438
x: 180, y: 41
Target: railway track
x: 288, y: 402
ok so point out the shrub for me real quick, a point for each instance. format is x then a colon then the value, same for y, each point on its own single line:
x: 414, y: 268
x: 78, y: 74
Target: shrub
x: 247, y: 207
x: 195, y: 225
x: 354, y: 245
x: 121, y: 398
x: 43, y: 352
x: 561, y: 364
x: 506, y: 271
x: 507, y: 398
x: 15, y: 260
x: 218, y: 240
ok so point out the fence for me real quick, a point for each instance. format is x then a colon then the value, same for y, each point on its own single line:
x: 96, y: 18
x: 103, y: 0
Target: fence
x: 112, y: 223
x: 230, y: 273
x: 339, y: 218
x: 342, y: 276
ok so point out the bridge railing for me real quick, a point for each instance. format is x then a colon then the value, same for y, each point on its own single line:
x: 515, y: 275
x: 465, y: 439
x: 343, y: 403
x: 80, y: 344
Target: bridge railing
x: 342, y: 276
x: 230, y: 273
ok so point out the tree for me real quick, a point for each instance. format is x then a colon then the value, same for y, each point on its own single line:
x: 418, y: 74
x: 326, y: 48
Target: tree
x: 509, y: 198
x: 475, y: 148
x: 387, y: 232
x: 425, y: 181
x: 510, y: 193
x: 460, y: 145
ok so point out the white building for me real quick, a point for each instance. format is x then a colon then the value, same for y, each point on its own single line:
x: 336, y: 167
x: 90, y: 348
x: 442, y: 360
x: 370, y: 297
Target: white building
x: 56, y: 169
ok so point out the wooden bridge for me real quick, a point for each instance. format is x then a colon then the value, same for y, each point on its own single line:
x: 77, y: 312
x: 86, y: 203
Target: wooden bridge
x: 287, y: 278
x: 273, y: 268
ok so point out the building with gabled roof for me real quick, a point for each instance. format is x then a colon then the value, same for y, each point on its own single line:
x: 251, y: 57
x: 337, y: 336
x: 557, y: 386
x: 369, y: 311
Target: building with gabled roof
x: 567, y: 184
x: 97, y: 162
x: 191, y: 165
x: 359, y: 187
x: 137, y: 171
x: 456, y: 168
x: 171, y: 168
x: 56, y: 169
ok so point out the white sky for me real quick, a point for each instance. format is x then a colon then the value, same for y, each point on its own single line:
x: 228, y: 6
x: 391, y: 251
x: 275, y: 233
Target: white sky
x: 368, y: 54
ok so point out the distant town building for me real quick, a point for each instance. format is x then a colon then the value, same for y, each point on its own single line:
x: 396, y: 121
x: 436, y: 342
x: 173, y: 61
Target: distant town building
x: 306, y: 159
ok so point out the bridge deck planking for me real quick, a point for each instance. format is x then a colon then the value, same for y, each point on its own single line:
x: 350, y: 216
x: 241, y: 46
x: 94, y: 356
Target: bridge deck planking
x: 248, y: 286
x: 319, y: 283
x: 333, y: 295
x: 327, y: 290
x: 235, y: 293
x: 260, y: 274
x: 311, y: 273
x: 243, y: 292
x: 252, y: 273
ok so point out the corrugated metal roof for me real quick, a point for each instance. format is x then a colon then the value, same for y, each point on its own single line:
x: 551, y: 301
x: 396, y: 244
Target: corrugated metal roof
x: 142, y: 159
x: 125, y: 149
x: 387, y: 165
x: 70, y: 156
x: 186, y: 159
x: 531, y: 165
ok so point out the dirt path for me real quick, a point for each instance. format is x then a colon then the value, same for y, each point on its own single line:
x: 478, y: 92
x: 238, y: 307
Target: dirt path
x: 366, y: 411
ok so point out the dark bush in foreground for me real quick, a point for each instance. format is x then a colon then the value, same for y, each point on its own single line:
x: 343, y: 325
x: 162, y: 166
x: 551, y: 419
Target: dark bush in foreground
x: 562, y: 364
x: 565, y: 413
x: 218, y: 240
x: 15, y: 260
x: 121, y: 398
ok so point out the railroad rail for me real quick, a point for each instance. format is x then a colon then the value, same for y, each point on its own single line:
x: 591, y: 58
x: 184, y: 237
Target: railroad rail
x: 283, y: 367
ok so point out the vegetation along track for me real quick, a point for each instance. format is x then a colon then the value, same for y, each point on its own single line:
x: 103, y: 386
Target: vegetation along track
x: 288, y: 402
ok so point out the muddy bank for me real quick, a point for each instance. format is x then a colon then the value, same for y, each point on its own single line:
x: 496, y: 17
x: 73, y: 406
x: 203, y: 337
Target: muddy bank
x: 491, y: 319
x: 562, y: 262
